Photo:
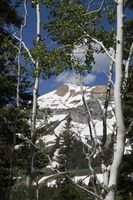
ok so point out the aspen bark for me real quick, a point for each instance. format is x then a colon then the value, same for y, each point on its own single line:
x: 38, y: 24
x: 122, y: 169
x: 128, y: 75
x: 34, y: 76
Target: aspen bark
x: 120, y: 139
x: 19, y: 55
x: 29, y: 178
x: 36, y: 83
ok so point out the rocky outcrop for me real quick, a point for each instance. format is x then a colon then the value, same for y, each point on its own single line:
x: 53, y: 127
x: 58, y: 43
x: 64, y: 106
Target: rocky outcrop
x: 62, y: 91
x: 68, y: 100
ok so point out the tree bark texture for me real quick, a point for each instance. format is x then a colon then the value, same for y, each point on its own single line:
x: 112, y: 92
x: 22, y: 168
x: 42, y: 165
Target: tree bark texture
x: 34, y: 109
x: 120, y: 138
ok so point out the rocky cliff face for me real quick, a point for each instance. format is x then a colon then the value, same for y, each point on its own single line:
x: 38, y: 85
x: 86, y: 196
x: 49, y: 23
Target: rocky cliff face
x: 68, y: 100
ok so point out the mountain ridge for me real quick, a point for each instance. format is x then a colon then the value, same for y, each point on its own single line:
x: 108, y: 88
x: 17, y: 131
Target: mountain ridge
x: 67, y: 100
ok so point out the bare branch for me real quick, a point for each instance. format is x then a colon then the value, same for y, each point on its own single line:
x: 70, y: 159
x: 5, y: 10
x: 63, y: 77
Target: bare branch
x: 51, y: 44
x: 107, y: 103
x: 84, y: 189
x: 128, y: 61
x: 105, y: 172
x: 26, y: 48
x: 126, y: 75
x: 19, y: 52
x: 71, y: 45
x: 50, y: 176
x: 109, y: 77
x: 101, y: 45
x: 38, y: 149
x: 90, y: 2
x: 16, y: 47
x: 95, y: 11
x: 88, y: 111
x: 129, y: 128
x: 95, y: 175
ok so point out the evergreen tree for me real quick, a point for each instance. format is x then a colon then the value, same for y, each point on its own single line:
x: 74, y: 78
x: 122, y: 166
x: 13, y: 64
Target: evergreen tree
x: 66, y: 141
x: 70, y: 155
x: 67, y: 191
x: 126, y: 178
x: 12, y: 119
x: 125, y: 188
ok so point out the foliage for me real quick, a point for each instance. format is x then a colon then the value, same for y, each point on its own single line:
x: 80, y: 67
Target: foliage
x: 12, y: 120
x: 66, y: 140
x: 63, y: 191
x: 128, y: 102
x: 8, y: 14
x: 67, y: 191
x: 69, y: 25
x: 125, y: 186
x: 66, y: 25
x: 70, y: 155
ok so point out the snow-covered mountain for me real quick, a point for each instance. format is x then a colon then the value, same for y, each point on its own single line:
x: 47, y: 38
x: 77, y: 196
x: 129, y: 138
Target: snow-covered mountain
x: 68, y: 100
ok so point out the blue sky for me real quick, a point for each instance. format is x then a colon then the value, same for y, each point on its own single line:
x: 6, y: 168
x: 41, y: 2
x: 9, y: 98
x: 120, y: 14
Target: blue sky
x: 97, y: 76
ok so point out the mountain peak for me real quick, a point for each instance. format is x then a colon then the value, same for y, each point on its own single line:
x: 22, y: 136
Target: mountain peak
x: 69, y: 96
x: 62, y: 90
x: 67, y: 100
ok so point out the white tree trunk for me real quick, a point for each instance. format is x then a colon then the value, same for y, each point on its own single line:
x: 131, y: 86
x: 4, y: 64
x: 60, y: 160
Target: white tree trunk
x: 34, y: 109
x: 36, y: 83
x: 19, y: 55
x: 119, y: 148
x: 126, y: 75
x: 28, y: 186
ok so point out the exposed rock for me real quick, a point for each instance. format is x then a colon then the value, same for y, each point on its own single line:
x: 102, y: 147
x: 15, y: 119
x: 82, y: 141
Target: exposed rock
x: 68, y: 100
x: 62, y: 91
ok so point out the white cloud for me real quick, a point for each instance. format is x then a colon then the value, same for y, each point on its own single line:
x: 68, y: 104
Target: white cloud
x: 79, y: 53
x: 90, y: 78
x: 67, y: 77
x: 71, y: 78
x: 101, y: 63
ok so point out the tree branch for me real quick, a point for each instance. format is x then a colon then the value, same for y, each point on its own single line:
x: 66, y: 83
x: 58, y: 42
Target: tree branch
x: 126, y: 75
x: 101, y: 45
x: 26, y: 48
x: 84, y: 189
x: 88, y: 112
x: 96, y: 177
x: 106, y: 103
x: 94, y: 11
x: 19, y: 53
x: 129, y: 128
x: 128, y: 61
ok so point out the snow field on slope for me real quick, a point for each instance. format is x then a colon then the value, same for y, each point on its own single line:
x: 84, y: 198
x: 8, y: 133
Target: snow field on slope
x: 53, y: 101
x: 76, y: 179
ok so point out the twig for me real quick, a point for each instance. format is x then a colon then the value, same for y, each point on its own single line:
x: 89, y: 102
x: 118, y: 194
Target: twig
x: 129, y: 128
x: 94, y: 174
x: 109, y: 77
x: 127, y: 67
x: 101, y: 45
x: 26, y: 48
x: 16, y: 47
x: 88, y: 112
x: 94, y: 11
x: 107, y: 99
x: 84, y: 189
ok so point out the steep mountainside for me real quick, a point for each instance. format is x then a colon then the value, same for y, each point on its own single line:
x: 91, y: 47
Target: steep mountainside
x: 67, y: 100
